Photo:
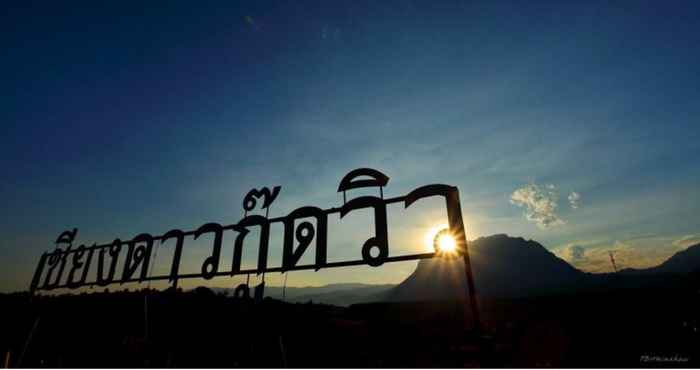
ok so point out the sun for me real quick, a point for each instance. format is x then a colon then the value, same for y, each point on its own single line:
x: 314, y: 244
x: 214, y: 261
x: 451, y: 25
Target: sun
x: 439, y: 239
x: 446, y: 243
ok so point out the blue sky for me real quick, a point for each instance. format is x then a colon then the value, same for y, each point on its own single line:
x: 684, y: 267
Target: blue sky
x: 120, y: 119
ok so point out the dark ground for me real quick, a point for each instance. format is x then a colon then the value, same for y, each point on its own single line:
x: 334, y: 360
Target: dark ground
x: 654, y: 326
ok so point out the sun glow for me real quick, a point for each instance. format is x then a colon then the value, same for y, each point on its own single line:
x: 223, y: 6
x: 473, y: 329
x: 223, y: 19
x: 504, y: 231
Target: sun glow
x: 446, y: 243
x: 438, y: 239
x: 431, y: 234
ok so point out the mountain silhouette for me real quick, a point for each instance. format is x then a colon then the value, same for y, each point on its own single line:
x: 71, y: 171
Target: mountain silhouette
x: 503, y: 266
x: 683, y: 262
x: 508, y: 267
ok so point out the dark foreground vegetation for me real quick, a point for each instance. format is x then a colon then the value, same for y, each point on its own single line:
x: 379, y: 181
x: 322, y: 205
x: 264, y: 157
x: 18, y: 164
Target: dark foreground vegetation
x: 644, y: 327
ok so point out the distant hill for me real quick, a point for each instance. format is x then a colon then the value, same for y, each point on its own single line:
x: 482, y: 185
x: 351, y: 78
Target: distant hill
x: 683, y: 262
x: 503, y: 267
x: 335, y: 294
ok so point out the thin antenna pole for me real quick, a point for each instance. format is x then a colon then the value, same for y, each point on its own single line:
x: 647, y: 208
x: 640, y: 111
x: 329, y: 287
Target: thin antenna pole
x: 612, y: 259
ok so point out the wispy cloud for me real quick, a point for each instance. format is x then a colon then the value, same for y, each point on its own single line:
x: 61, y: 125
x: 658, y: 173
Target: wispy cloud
x: 687, y: 241
x: 574, y: 200
x: 540, y: 203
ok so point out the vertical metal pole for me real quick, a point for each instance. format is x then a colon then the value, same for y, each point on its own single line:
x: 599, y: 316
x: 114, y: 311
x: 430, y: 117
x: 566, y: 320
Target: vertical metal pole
x: 284, y: 289
x: 145, y: 316
x: 7, y: 359
x: 456, y: 224
x: 284, y: 355
x: 471, y: 291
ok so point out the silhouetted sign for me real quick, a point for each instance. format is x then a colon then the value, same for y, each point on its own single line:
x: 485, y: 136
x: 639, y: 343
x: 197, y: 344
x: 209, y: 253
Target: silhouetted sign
x: 67, y: 267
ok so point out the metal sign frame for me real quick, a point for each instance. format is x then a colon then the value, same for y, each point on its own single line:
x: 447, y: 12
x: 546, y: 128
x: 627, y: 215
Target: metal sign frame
x: 298, y: 237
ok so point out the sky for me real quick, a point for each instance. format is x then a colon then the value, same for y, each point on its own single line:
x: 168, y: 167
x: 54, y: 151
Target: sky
x: 573, y: 124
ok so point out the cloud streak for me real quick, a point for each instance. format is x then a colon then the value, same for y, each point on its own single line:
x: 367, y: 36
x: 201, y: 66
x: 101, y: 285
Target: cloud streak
x: 540, y: 203
x: 687, y: 241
